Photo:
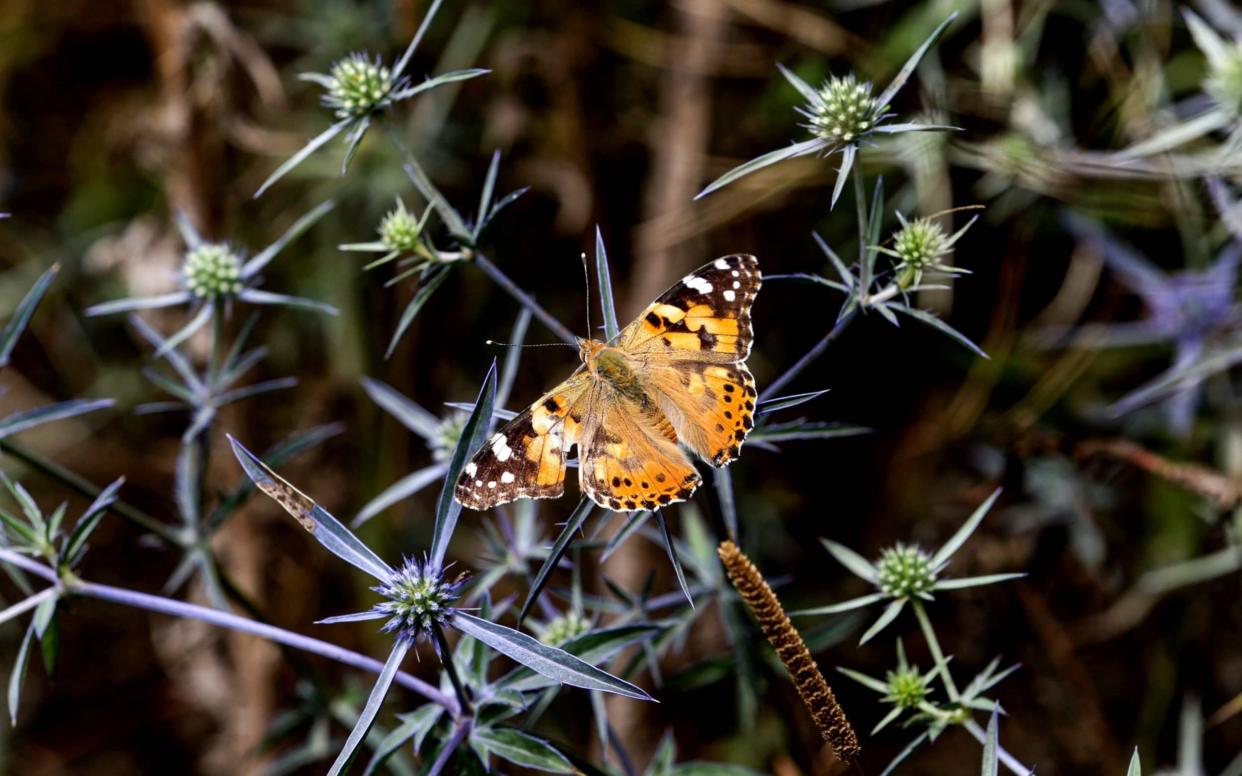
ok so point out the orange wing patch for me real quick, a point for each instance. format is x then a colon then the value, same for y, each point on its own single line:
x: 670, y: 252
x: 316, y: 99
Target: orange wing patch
x: 628, y: 465
x: 712, y: 406
x: 526, y: 458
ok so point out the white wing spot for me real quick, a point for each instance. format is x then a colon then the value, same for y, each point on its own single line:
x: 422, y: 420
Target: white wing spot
x: 736, y: 273
x: 471, y: 468
x: 501, y: 448
x: 507, y: 477
x: 737, y: 284
x: 729, y: 296
x: 478, y: 483
x: 491, y: 484
x: 698, y: 284
x: 722, y: 264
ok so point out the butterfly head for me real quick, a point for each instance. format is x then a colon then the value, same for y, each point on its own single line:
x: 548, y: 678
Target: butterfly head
x: 589, y: 350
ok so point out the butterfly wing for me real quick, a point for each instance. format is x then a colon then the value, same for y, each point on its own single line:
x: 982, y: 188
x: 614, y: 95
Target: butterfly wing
x: 691, y: 345
x: 704, y: 317
x: 526, y: 458
x: 629, y: 458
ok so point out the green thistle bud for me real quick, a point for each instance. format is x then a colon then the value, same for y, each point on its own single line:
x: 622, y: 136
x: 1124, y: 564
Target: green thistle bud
x: 358, y: 87
x: 1224, y: 81
x: 400, y: 231
x: 906, y: 687
x: 918, y: 246
x: 905, y: 571
x: 565, y: 628
x: 844, y: 110
x: 212, y: 270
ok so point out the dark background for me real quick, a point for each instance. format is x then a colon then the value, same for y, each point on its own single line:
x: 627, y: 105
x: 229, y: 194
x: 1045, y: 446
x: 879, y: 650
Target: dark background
x: 113, y: 115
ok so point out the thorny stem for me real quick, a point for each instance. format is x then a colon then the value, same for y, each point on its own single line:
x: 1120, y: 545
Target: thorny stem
x: 933, y: 643
x: 87, y: 489
x: 815, y: 352
x: 228, y: 620
x: 446, y: 659
x: 523, y: 298
x: 450, y: 746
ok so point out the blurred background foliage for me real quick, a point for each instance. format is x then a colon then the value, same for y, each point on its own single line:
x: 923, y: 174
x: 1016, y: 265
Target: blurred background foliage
x: 113, y: 116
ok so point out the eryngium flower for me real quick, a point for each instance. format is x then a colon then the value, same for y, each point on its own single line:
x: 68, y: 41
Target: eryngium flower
x: 358, y: 87
x: 905, y: 571
x: 920, y: 246
x: 400, y: 230
x: 843, y: 110
x: 212, y: 270
x: 419, y: 599
x: 565, y: 628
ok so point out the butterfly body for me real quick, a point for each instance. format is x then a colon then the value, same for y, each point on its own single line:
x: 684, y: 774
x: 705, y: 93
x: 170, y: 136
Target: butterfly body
x: 675, y: 377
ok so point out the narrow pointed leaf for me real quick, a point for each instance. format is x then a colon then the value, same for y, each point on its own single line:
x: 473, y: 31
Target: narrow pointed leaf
x: 1136, y: 765
x: 573, y: 524
x: 848, y: 153
x: 857, y: 564
x: 399, y: 68
x: 405, y: 410
x: 806, y: 90
x: 766, y: 160
x: 549, y: 661
x: 200, y: 319
x: 21, y: 316
x: 338, y: 539
x: 413, y: 729
x: 91, y: 517
x: 399, y: 491
x: 785, y: 402
x: 844, y: 606
x: 452, y: 219
x: 922, y: 316
x: 258, y: 296
x: 960, y: 536
x: 595, y: 648
x: 475, y: 430
x: 369, y: 712
x: 522, y: 749
x: 991, y: 765
x: 139, y: 303
x: 261, y: 259
x: 604, y: 281
x: 965, y: 582
x: 485, y: 196
x: 301, y: 155
x: 428, y: 287
x: 723, y: 479
x: 440, y: 80
x: 22, y: 421
x: 887, y: 617
x: 908, y: 68
x: 17, y: 677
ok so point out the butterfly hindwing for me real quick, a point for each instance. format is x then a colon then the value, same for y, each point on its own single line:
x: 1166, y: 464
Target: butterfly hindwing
x: 704, y: 317
x: 712, y: 406
x: 526, y: 458
x: 629, y: 461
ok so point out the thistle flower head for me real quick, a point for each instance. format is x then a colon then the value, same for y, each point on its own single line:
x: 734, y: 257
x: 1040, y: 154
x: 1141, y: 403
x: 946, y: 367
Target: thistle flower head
x: 843, y: 110
x: 907, y: 688
x: 905, y: 571
x: 400, y: 230
x: 920, y: 246
x: 447, y: 436
x: 1224, y: 79
x: 419, y: 598
x: 358, y: 87
x: 212, y: 270
x: 565, y: 628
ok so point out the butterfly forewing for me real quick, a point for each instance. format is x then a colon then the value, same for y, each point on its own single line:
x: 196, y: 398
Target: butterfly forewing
x: 526, y: 458
x: 704, y: 317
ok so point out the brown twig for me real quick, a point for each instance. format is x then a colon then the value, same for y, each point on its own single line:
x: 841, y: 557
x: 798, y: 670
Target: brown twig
x: 817, y: 696
x: 1224, y: 492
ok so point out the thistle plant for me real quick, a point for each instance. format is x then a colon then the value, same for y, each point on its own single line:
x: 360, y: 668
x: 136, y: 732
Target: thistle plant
x: 842, y: 115
x: 359, y: 90
x: 908, y: 576
x: 214, y: 277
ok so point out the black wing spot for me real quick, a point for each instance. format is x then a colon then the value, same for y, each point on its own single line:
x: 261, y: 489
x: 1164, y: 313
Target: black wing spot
x: 629, y: 504
x: 707, y: 340
x: 728, y: 414
x: 552, y: 405
x: 728, y: 388
x: 660, y: 477
x: 719, y: 428
x: 616, y: 482
x: 629, y: 483
x: 739, y: 435
x: 655, y: 320
x: 664, y: 498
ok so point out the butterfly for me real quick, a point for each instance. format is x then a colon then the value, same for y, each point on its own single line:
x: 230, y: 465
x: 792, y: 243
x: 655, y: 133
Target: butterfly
x: 675, y: 376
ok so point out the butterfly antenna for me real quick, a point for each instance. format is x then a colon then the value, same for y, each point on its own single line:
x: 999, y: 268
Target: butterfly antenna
x: 536, y: 345
x: 586, y: 273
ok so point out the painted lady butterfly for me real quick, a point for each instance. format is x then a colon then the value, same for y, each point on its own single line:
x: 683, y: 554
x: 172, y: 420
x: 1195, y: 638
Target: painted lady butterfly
x: 675, y: 375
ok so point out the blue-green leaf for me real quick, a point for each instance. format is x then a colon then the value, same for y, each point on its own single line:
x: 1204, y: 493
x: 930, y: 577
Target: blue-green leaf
x: 556, y: 664
x: 604, y: 281
x: 21, y: 421
x: 18, y: 675
x: 448, y: 509
x: 326, y: 529
x: 21, y: 316
x: 414, y: 728
x: 434, y: 279
x: 374, y: 701
x: 522, y: 749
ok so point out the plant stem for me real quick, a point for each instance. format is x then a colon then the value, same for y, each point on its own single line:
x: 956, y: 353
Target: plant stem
x: 815, y: 352
x: 860, y: 204
x: 228, y: 620
x: 446, y: 659
x: 450, y: 746
x: 87, y: 489
x: 29, y: 603
x: 525, y: 299
x: 929, y: 634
